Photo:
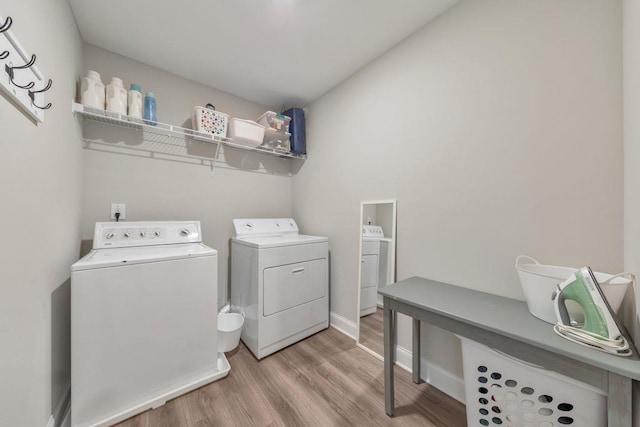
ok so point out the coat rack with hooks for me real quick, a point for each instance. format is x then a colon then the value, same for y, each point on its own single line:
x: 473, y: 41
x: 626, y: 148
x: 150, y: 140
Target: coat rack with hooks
x: 20, y: 80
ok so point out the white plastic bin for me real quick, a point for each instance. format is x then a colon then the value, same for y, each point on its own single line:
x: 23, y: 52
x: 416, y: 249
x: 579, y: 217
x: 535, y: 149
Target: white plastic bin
x: 229, y: 329
x: 246, y: 132
x: 540, y: 281
x: 502, y: 390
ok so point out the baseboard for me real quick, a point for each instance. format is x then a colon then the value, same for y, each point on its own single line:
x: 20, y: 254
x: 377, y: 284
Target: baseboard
x: 62, y: 407
x: 343, y: 325
x: 433, y: 374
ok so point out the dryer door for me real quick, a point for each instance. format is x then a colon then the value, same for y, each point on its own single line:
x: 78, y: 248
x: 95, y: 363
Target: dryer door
x: 290, y: 285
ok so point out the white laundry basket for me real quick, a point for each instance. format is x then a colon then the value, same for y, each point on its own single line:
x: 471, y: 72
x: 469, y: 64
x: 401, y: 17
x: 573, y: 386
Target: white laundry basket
x: 501, y: 390
x: 540, y: 281
x: 229, y: 329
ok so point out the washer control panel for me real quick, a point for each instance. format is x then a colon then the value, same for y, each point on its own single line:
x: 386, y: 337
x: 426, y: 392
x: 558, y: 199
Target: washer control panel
x: 372, y: 231
x: 264, y: 227
x: 140, y: 233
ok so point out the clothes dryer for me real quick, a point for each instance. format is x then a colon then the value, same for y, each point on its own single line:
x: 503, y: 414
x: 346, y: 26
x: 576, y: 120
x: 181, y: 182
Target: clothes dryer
x: 279, y: 281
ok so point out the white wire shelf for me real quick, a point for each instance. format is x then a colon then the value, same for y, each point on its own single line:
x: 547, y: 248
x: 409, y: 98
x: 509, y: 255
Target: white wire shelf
x: 122, y: 120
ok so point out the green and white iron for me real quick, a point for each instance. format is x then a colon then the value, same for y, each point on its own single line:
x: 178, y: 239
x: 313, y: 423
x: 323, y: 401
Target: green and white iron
x: 600, y: 329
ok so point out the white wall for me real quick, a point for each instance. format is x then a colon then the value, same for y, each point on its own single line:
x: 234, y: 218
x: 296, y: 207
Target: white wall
x: 41, y: 175
x: 384, y: 218
x: 247, y: 185
x: 631, y: 64
x: 490, y: 126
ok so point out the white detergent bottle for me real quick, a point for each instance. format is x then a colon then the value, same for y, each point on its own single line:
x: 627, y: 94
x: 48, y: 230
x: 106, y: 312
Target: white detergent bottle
x: 92, y: 90
x: 116, y: 97
x: 135, y: 102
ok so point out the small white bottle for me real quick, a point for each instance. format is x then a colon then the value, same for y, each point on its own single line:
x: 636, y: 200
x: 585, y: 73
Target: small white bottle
x: 135, y: 102
x: 116, y: 97
x: 92, y: 91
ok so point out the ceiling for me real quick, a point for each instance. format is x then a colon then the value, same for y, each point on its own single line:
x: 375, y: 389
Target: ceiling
x: 272, y: 52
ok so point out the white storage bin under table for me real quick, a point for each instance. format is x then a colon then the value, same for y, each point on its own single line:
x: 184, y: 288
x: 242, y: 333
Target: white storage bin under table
x: 502, y: 390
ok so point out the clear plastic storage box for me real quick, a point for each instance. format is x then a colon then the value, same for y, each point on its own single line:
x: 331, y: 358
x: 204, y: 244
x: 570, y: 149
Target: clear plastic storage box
x: 276, y: 140
x: 275, y: 121
x: 502, y: 390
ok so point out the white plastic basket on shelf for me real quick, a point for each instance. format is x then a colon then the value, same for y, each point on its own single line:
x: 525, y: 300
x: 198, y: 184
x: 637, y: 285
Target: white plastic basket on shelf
x: 539, y: 281
x: 210, y: 121
x: 504, y: 391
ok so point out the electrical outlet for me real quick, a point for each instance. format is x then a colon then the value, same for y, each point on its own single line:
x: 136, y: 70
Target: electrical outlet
x: 118, y: 207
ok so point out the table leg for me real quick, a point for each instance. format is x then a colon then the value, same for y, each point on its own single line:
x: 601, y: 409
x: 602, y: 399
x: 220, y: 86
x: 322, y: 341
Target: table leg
x: 415, y: 370
x: 389, y: 332
x: 619, y: 401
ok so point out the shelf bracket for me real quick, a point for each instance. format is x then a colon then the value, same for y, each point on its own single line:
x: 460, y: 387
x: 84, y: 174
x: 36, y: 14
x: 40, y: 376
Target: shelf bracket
x: 215, y: 157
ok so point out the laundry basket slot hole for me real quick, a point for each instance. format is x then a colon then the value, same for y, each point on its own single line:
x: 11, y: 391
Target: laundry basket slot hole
x: 527, y: 390
x: 483, y: 380
x: 496, y: 420
x: 511, y: 407
x: 565, y: 420
x: 545, y: 411
x: 484, y: 411
x: 527, y: 403
x: 483, y: 401
x: 511, y: 383
x: 496, y: 375
x: 545, y: 398
x: 511, y: 395
x: 565, y: 407
x: 482, y: 368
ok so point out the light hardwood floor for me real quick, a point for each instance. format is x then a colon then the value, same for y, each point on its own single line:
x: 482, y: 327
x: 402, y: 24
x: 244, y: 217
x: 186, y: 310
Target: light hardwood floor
x: 324, y: 380
x: 371, y: 331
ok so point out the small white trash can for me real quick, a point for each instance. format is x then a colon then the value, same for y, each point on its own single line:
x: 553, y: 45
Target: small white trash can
x: 229, y: 329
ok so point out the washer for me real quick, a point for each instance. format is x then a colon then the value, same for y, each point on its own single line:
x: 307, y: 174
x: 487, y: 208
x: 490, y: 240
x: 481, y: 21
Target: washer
x: 143, y: 320
x: 280, y: 281
x: 375, y: 267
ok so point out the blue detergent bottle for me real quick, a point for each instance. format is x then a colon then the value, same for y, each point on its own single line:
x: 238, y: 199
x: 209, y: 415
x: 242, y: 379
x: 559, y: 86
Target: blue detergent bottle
x: 150, y: 116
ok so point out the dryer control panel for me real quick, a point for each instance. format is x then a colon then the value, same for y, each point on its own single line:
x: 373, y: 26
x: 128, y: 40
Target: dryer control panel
x: 260, y: 227
x: 142, y: 233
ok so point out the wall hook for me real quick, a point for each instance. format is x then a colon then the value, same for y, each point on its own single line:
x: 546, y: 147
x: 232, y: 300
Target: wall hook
x: 4, y: 27
x: 10, y: 69
x: 7, y: 24
x: 32, y: 94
